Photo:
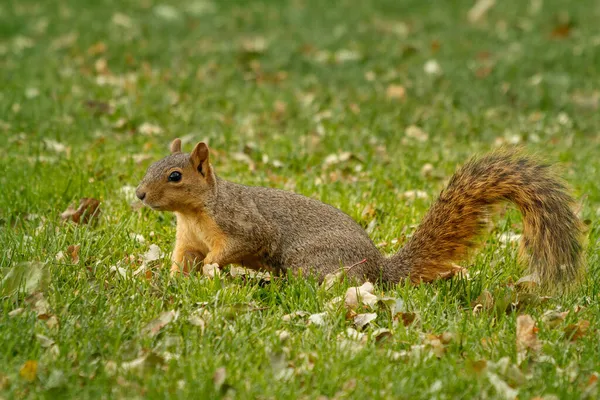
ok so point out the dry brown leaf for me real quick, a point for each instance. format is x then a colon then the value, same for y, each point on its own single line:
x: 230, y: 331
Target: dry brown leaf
x: 527, y: 334
x: 395, y: 92
x: 381, y: 334
x: 87, y: 211
x: 96, y: 49
x: 73, y: 251
x: 407, y: 318
x: 562, y: 31
x: 577, y: 330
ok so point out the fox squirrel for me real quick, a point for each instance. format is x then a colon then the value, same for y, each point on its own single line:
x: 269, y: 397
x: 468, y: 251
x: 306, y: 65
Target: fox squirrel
x: 220, y: 222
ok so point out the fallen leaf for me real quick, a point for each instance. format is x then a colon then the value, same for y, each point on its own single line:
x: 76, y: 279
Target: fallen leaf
x: 29, y: 370
x: 502, y: 388
x: 527, y: 334
x: 45, y: 341
x: 148, y: 360
x: 361, y: 320
x: 25, y: 277
x: 553, y: 318
x: 414, y: 132
x: 361, y: 294
x: 56, y: 380
x: 167, y: 12
x: 395, y: 92
x: 485, y: 301
x: 407, y: 318
x: 156, y: 325
x: 55, y: 146
x: 87, y: 211
x: 149, y: 129
x: 211, y: 270
x: 562, y: 30
x: 577, y: 330
x: 479, y: 10
x: 432, y: 67
x: 73, y: 251
x: 296, y: 314
x: 317, y: 319
x: 219, y: 378
x: 381, y: 334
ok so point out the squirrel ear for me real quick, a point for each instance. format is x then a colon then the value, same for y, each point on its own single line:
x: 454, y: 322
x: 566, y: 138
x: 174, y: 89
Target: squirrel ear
x: 199, y: 158
x: 176, y: 146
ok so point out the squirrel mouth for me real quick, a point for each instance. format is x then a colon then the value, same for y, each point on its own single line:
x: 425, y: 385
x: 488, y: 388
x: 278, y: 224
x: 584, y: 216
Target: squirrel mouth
x: 152, y: 206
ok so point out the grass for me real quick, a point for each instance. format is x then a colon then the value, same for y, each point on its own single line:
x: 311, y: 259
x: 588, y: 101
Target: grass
x: 92, y: 92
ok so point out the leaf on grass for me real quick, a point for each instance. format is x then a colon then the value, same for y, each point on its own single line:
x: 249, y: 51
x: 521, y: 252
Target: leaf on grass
x: 199, y: 318
x: 25, y: 277
x: 528, y: 282
x: 296, y: 314
x: 395, y: 92
x: 479, y: 10
x: 502, y: 388
x: 362, y: 320
x: 73, y: 251
x: 360, y: 294
x: 553, y: 318
x: 317, y: 319
x: 146, y: 361
x: 577, y: 330
x: 485, y: 301
x: 414, y: 132
x: 381, y: 334
x: 155, y: 326
x: 219, y: 377
x: 211, y: 270
x: 87, y: 211
x: 331, y: 279
x: 407, y: 318
x: 527, y: 334
x: 56, y: 380
x: 45, y: 341
x: 29, y: 370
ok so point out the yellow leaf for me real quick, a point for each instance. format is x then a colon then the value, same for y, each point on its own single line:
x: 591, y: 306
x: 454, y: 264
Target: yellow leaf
x: 29, y: 370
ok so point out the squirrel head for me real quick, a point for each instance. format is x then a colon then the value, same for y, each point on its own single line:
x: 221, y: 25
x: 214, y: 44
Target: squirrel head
x: 180, y: 181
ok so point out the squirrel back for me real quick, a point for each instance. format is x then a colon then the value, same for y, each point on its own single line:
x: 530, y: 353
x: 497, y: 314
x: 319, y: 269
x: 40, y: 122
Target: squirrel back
x: 220, y: 222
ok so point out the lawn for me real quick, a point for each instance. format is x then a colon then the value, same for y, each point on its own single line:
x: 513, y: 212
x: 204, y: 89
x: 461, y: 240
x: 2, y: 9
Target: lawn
x: 369, y: 106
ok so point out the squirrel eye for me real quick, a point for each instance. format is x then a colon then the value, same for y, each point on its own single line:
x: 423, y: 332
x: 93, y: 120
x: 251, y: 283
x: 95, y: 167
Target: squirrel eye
x: 175, y: 176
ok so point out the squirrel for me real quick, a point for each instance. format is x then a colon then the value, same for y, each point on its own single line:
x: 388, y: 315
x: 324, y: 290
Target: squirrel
x: 221, y: 222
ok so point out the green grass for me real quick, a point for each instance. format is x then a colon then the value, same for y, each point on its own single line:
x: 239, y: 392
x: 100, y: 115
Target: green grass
x: 289, y: 83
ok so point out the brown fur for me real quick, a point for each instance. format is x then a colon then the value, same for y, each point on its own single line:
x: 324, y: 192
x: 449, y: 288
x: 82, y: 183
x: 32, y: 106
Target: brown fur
x: 222, y: 222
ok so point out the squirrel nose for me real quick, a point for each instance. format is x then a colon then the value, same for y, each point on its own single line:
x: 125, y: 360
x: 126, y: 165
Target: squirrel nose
x: 140, y: 195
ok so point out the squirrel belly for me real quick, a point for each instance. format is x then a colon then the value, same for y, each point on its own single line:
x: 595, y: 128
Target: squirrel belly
x: 223, y: 222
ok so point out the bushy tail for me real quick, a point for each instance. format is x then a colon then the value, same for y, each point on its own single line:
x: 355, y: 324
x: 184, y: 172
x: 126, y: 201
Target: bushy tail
x: 551, y: 234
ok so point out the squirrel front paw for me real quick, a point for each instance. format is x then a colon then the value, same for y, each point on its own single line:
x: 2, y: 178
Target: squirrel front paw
x: 176, y: 269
